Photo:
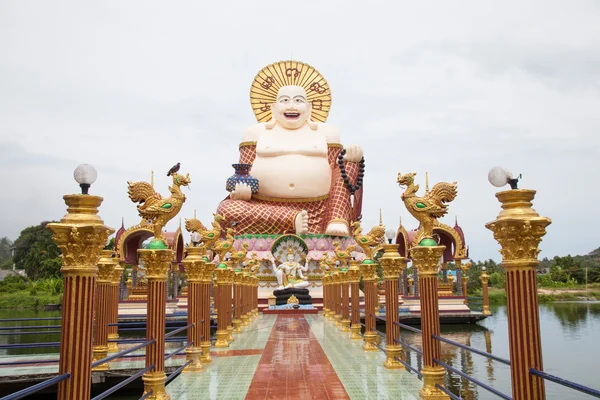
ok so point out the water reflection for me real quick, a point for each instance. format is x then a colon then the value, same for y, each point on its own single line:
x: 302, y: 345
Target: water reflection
x: 49, y: 333
x: 569, y: 335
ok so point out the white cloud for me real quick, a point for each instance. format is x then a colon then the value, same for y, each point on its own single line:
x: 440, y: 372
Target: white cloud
x: 452, y: 88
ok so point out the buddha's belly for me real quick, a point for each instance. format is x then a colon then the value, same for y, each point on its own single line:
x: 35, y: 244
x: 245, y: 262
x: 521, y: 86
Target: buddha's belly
x: 292, y: 176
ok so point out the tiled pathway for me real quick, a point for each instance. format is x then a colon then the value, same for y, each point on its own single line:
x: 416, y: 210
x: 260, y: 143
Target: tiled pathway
x: 294, y: 366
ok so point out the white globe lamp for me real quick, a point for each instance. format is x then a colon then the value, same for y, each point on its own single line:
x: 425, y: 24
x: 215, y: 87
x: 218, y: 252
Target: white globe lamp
x: 85, y: 175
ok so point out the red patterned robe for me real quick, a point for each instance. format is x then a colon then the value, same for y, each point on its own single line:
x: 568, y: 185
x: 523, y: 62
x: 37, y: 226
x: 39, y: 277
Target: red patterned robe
x: 277, y: 216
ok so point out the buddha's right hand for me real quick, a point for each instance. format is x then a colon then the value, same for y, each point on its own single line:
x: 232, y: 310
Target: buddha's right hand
x: 242, y: 191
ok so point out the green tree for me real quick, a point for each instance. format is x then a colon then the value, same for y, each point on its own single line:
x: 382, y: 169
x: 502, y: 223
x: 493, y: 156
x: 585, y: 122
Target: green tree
x: 36, y: 252
x: 5, y: 254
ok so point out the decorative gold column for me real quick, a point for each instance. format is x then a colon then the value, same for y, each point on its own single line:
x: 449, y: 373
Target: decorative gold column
x: 465, y: 280
x: 369, y: 277
x: 194, y: 265
x: 237, y: 301
x: 325, y: 282
x: 345, y: 283
x: 80, y: 236
x: 207, y: 275
x: 484, y: 290
x: 392, y: 264
x: 354, y: 279
x: 337, y: 287
x: 113, y: 318
x: 229, y: 301
x: 106, y: 267
x: 221, y: 277
x: 519, y: 230
x: 246, y: 310
x: 425, y: 259
x: 157, y: 260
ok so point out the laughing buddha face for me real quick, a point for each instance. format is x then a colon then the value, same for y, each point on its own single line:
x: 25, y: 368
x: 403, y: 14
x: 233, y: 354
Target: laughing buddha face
x: 292, y: 109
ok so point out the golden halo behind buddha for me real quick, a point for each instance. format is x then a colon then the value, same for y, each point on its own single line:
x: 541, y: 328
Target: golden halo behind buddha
x: 267, y: 82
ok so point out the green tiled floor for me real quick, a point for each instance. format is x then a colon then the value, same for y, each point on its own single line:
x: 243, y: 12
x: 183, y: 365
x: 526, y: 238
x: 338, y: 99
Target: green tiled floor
x: 227, y: 377
x: 361, y: 373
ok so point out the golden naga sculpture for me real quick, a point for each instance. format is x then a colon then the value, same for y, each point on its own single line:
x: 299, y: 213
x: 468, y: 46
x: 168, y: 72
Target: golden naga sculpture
x: 343, y: 255
x: 224, y: 246
x: 327, y: 263
x: 428, y: 208
x: 239, y: 256
x: 253, y: 263
x: 153, y: 208
x: 207, y: 237
x: 371, y: 241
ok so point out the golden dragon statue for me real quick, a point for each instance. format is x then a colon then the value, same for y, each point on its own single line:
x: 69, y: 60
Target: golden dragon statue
x: 371, y: 241
x: 155, y: 210
x: 253, y: 263
x: 207, y: 237
x: 428, y: 208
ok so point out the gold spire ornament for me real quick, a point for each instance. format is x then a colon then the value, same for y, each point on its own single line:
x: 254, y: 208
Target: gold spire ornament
x: 267, y: 82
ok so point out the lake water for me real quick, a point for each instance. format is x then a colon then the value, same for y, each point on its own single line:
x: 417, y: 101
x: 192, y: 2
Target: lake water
x: 570, y: 335
x: 570, y: 340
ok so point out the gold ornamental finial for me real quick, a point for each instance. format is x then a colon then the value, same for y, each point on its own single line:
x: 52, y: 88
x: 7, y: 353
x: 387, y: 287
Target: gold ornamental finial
x: 194, y: 213
x: 380, y: 217
x: 152, y: 178
x: 426, y: 182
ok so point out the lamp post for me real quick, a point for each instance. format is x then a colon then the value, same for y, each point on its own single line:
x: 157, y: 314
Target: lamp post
x: 519, y: 230
x: 80, y: 235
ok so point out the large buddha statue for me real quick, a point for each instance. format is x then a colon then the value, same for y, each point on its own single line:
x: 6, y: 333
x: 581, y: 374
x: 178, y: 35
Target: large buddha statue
x: 307, y: 181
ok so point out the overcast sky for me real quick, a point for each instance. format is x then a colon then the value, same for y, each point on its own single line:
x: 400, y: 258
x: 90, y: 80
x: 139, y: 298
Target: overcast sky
x: 449, y: 87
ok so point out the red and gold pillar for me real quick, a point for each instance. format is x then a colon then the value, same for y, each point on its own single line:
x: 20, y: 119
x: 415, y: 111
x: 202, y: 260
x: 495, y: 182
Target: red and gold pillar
x: 345, y: 284
x: 425, y: 259
x: 157, y: 260
x: 205, y: 284
x: 484, y: 289
x: 325, y: 282
x: 392, y: 264
x: 337, y: 298
x: 113, y: 317
x: 229, y: 302
x: 194, y: 265
x: 221, y: 277
x: 354, y: 279
x: 106, y: 267
x: 465, y: 280
x: 519, y: 230
x: 80, y: 236
x: 237, y: 301
x: 369, y: 277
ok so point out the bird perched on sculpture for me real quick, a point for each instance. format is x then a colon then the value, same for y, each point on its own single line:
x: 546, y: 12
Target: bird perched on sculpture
x: 155, y: 209
x: 174, y: 169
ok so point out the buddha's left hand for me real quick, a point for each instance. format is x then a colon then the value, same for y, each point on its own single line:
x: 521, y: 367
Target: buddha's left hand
x: 354, y: 153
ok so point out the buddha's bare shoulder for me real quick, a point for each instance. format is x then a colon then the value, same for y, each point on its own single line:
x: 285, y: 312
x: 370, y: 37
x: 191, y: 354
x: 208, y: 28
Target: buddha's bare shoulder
x: 252, y: 133
x: 330, y: 132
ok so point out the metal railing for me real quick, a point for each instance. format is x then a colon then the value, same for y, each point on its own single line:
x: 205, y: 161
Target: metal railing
x: 38, y: 387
